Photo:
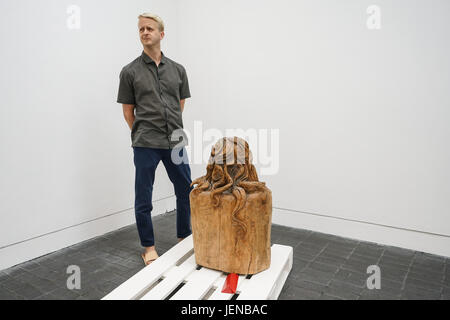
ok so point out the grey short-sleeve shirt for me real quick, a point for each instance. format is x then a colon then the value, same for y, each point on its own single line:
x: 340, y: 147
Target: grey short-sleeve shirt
x: 156, y: 92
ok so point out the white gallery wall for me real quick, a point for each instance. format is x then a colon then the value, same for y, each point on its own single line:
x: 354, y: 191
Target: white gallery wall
x: 363, y: 114
x: 67, y: 171
x: 358, y: 117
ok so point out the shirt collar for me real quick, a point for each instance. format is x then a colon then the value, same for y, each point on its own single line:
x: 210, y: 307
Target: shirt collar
x: 147, y: 59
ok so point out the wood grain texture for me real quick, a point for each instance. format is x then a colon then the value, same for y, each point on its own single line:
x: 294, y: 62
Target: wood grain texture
x: 231, y: 212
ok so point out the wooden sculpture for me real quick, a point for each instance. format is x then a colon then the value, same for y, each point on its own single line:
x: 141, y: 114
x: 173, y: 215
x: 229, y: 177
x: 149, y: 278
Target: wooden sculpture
x: 231, y: 212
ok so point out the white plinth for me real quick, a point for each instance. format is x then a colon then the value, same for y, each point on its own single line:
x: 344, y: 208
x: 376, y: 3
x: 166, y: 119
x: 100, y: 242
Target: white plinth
x: 177, y: 267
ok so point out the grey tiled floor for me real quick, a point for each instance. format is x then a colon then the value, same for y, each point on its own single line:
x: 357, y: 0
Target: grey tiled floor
x: 325, y: 267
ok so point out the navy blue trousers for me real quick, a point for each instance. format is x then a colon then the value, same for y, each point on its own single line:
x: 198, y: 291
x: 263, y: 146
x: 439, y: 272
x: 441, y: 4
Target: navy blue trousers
x: 146, y: 160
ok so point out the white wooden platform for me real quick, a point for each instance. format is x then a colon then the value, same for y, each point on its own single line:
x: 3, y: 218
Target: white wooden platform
x: 175, y: 275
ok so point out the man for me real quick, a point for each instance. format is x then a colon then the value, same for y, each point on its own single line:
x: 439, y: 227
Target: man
x: 156, y: 88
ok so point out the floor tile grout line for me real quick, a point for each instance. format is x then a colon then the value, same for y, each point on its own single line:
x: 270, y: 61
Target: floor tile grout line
x: 348, y: 257
x: 339, y: 267
x: 443, y: 281
x: 313, y: 259
x: 399, y: 295
x: 407, y: 272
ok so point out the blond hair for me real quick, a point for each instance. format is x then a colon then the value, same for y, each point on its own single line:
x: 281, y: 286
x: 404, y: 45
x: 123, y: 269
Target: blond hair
x: 153, y: 17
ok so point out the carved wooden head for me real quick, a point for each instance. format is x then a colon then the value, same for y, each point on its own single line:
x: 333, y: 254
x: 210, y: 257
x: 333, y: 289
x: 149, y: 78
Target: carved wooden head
x: 230, y: 170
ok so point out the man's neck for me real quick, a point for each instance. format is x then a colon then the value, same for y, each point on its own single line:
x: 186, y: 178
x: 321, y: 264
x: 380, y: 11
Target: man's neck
x: 154, y: 53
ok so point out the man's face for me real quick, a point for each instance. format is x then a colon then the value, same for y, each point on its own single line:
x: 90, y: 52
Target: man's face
x: 149, y: 32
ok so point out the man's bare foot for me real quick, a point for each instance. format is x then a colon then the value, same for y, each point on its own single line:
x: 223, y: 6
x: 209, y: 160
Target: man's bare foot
x: 150, y: 249
x: 149, y: 255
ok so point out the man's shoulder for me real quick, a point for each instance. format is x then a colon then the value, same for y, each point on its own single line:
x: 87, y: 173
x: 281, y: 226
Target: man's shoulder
x: 179, y: 66
x: 131, y: 67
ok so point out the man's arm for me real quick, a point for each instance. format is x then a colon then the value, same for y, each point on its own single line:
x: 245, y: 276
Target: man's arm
x: 128, y: 113
x: 182, y: 104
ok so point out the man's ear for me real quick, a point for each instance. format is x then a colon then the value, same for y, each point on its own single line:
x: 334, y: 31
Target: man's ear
x: 162, y: 35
